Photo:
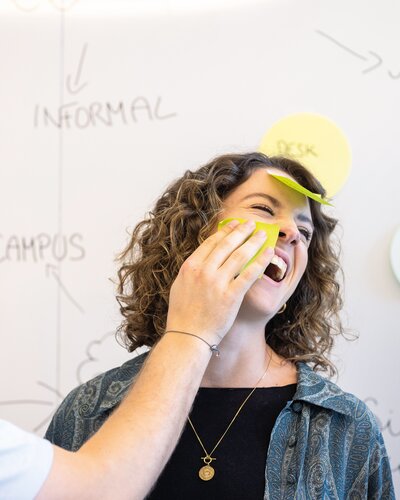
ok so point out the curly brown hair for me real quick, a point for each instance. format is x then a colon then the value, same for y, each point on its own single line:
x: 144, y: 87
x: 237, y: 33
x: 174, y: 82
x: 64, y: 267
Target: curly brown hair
x: 183, y: 217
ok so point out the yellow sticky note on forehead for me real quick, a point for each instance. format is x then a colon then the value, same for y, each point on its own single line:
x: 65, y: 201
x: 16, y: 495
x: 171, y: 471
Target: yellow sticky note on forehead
x: 272, y: 231
x: 299, y: 188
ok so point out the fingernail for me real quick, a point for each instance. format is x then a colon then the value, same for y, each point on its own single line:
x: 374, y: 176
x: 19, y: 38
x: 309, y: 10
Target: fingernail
x: 260, y: 234
x: 250, y: 223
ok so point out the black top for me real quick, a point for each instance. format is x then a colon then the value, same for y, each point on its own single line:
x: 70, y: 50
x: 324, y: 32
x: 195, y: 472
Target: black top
x: 240, y: 457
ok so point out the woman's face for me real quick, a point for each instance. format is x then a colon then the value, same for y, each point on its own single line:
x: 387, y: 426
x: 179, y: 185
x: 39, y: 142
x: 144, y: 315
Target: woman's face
x: 263, y: 198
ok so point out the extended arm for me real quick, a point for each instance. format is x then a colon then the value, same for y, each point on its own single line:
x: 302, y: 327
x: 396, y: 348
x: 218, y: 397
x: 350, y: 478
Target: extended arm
x: 126, y: 456
x: 134, y: 444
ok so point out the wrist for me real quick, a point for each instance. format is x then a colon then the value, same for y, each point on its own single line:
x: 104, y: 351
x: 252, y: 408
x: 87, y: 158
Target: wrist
x: 198, y: 341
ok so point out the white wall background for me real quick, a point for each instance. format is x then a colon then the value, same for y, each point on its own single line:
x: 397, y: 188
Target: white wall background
x: 203, y: 80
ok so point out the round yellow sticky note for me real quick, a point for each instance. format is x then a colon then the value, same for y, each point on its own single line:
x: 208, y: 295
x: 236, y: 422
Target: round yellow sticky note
x: 314, y: 141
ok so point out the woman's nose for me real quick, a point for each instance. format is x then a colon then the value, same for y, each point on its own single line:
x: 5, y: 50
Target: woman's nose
x: 289, y: 233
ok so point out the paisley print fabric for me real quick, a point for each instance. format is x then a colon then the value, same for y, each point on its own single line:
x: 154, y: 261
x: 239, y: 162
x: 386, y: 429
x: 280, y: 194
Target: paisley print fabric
x: 325, y: 443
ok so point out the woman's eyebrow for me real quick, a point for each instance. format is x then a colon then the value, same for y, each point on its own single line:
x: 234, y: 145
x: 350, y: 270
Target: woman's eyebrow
x: 276, y: 203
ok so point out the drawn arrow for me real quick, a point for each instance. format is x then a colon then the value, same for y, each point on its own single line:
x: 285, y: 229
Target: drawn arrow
x: 339, y: 44
x: 376, y: 64
x: 52, y: 271
x: 377, y: 57
x: 74, y: 88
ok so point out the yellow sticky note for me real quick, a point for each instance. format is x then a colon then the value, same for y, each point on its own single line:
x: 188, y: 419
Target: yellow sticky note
x: 272, y: 231
x: 316, y: 142
x: 298, y: 187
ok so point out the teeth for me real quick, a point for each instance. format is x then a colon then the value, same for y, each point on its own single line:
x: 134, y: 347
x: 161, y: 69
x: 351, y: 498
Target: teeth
x: 281, y: 264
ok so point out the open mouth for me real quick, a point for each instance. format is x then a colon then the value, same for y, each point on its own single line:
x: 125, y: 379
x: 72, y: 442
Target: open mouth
x: 276, y: 270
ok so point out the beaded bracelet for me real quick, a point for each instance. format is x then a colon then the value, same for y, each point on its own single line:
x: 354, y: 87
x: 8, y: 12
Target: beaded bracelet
x: 213, y: 348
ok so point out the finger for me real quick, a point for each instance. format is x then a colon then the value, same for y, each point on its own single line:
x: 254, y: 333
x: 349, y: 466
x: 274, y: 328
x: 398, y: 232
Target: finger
x: 249, y: 275
x: 226, y: 246
x: 212, y: 242
x: 235, y: 263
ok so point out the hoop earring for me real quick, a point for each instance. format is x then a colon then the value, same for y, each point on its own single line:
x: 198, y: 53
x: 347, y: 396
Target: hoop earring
x: 282, y: 309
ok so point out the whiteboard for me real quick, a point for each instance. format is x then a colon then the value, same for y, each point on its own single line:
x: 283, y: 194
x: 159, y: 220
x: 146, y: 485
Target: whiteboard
x: 103, y: 105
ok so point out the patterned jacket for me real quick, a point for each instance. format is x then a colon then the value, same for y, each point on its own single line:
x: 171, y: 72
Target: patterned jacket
x: 325, y: 443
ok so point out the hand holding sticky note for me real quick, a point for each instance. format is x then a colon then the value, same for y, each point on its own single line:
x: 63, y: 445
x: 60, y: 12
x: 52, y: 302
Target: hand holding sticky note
x: 272, y: 231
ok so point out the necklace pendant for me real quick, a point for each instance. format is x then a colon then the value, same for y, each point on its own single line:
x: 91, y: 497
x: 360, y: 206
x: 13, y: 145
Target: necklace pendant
x: 206, y: 473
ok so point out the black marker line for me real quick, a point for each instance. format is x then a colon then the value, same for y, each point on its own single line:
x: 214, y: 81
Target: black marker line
x: 26, y: 402
x: 80, y: 65
x: 376, y: 64
x: 62, y: 287
x: 89, y: 356
x: 75, y: 88
x: 51, y: 389
x: 395, y: 76
x: 341, y: 45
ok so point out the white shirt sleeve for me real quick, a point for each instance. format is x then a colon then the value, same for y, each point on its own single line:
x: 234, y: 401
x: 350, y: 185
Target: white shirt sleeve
x: 25, y: 462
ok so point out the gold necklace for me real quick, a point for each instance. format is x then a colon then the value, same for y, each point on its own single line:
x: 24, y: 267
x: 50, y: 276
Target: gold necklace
x: 207, y: 471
